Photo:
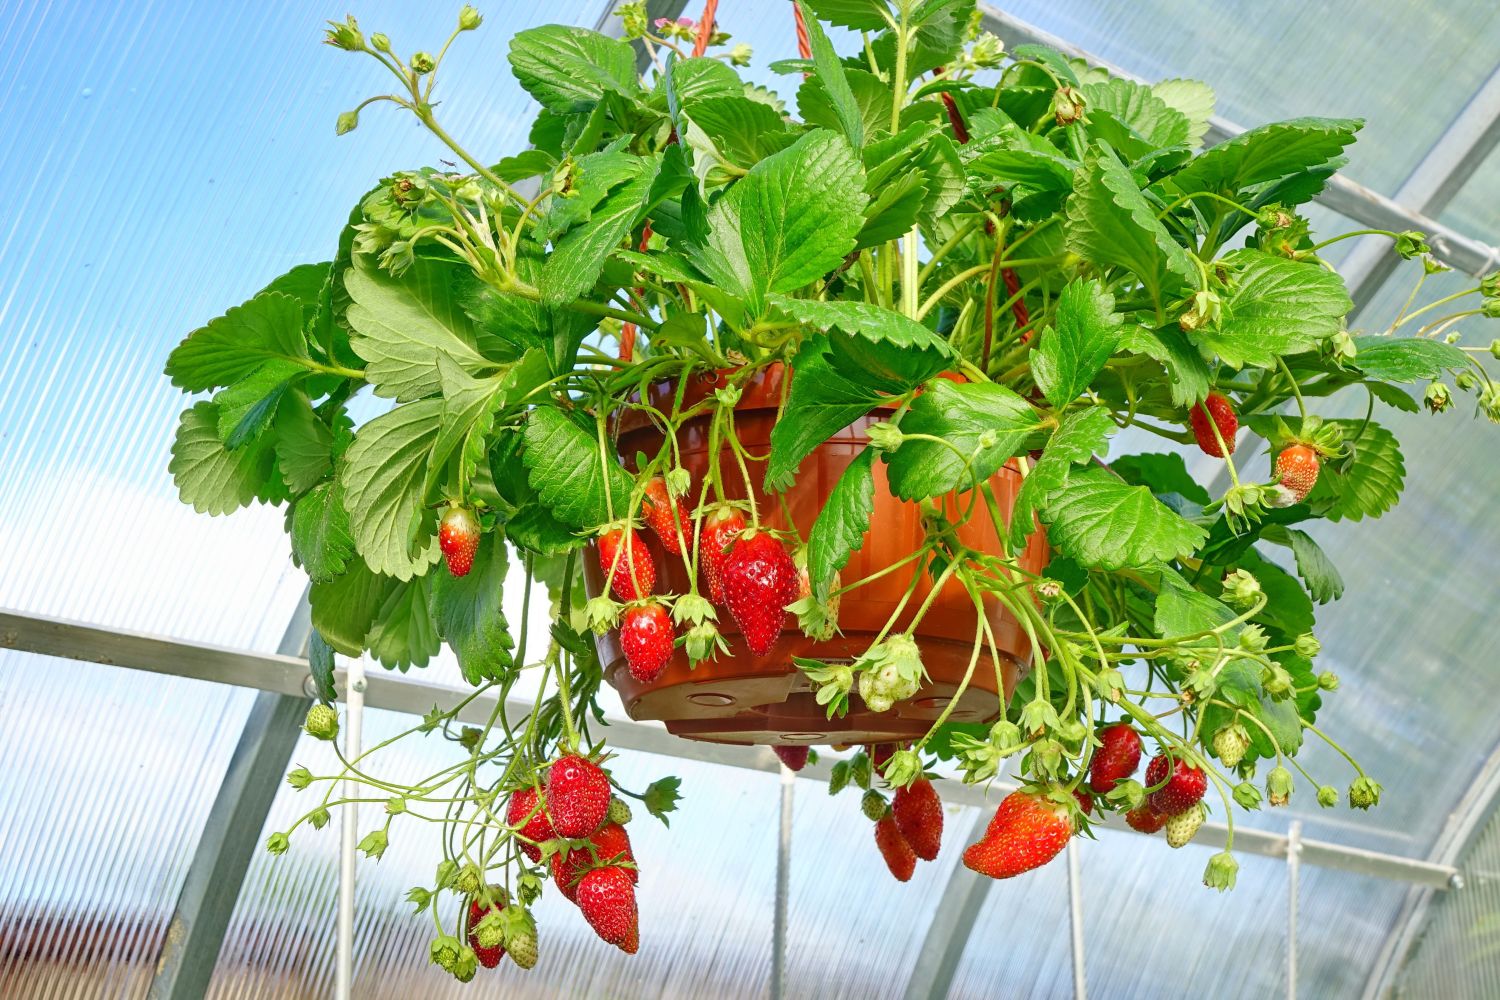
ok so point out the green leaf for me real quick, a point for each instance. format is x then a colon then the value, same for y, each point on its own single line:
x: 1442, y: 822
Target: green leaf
x: 743, y: 132
x: 1188, y: 377
x: 470, y: 616
x: 403, y: 634
x: 938, y: 34
x: 1372, y: 484
x: 319, y: 529
x: 231, y: 347
x: 1288, y: 608
x: 569, y: 69
x: 384, y: 478
x: 247, y: 407
x: 821, y: 403
x: 1406, y: 359
x: 963, y: 416
x: 1086, y: 332
x: 788, y: 222
x: 833, y: 83
x: 401, y: 326
x: 1103, y: 523
x: 566, y: 468
x: 1266, y: 154
x: 304, y: 444
x: 1162, y: 473
x: 893, y: 211
x: 320, y: 666
x: 1080, y: 436
x: 861, y: 15
x: 1183, y: 610
x: 210, y: 477
x: 577, y: 259
x: 1110, y: 223
x: 1274, y: 306
x: 877, y: 325
x: 344, y: 608
x: 1394, y: 395
x: 1194, y: 100
x: 690, y: 80
x: 1154, y: 122
x: 1317, y: 571
x: 842, y: 523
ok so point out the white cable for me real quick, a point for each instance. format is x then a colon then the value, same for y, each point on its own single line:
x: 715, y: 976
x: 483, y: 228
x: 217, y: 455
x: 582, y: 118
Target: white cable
x: 349, y: 830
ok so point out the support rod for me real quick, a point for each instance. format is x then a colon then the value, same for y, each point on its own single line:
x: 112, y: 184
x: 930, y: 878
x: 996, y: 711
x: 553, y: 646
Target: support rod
x: 783, y: 886
x: 1293, y: 879
x: 1075, y: 920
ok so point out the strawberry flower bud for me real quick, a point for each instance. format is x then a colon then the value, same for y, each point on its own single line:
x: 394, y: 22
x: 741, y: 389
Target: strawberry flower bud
x: 1241, y: 589
x: 1006, y: 736
x: 419, y: 897
x: 322, y: 722
x: 277, y: 843
x: 885, y: 436
x: 678, y: 481
x: 318, y: 818
x: 1465, y: 380
x: 1328, y: 680
x: 1491, y: 308
x: 1307, y: 645
x: 740, y: 55
x: 1072, y: 733
x: 422, y: 63
x: 1112, y: 685
x: 987, y: 52
x: 300, y: 778
x: 703, y: 642
x: 1046, y: 757
x: 1221, y: 871
x: 469, y: 18
x: 1038, y: 716
x: 904, y: 767
x: 380, y: 42
x: 347, y: 122
x: 1364, y: 793
x: 1341, y: 347
x: 374, y: 844
x: 1067, y: 105
x: 602, y: 613
x: 1127, y: 794
x: 1328, y: 796
x: 1252, y: 638
x: 1412, y: 244
x: 1279, y: 786
x: 1247, y: 796
x: 346, y: 35
x: 1489, y: 285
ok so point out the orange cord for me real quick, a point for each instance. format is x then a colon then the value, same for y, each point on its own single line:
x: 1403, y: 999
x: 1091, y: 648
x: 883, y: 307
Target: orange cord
x: 627, y: 332
x: 705, y: 27
x: 804, y: 45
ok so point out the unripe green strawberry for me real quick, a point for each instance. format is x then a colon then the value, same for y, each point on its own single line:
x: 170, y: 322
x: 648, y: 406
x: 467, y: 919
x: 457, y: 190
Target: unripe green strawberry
x: 1364, y: 792
x: 1230, y: 744
x: 522, y: 945
x: 322, y: 722
x: 874, y: 806
x: 1182, y: 827
x: 619, y: 811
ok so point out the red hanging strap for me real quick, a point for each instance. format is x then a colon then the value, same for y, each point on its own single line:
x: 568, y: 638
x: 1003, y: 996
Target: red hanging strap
x: 804, y: 45
x: 627, y: 332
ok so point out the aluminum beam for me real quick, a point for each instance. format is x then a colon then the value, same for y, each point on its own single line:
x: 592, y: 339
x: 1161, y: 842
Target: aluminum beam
x: 1453, y: 159
x: 211, y: 887
x: 393, y: 692
x: 1341, y: 194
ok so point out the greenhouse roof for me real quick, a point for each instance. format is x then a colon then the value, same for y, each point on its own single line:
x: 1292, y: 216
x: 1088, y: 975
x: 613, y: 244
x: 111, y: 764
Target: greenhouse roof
x: 145, y: 192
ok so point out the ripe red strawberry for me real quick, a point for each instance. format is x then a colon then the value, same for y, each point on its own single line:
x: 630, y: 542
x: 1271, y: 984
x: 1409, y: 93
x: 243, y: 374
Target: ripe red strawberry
x: 488, y: 957
x: 1116, y: 759
x: 606, y: 897
x: 577, y: 796
x: 629, y: 567
x: 657, y: 508
x: 646, y: 636
x: 1184, y: 789
x: 760, y: 580
x: 458, y: 537
x: 919, y: 817
x: 1218, y: 411
x: 1145, y: 819
x: 721, y: 528
x: 1028, y: 831
x: 1297, y: 470
x: 795, y: 758
x: 538, y: 828
x: 611, y: 844
x: 1085, y: 801
x: 899, y: 857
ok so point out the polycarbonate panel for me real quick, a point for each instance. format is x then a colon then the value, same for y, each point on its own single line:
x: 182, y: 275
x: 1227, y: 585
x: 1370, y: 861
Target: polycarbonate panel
x: 1458, y: 954
x: 1406, y: 68
x: 706, y: 896
x: 108, y: 776
x: 164, y: 162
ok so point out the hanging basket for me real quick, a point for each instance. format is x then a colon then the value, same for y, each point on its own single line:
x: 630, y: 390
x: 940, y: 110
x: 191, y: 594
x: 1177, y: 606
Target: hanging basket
x: 748, y: 699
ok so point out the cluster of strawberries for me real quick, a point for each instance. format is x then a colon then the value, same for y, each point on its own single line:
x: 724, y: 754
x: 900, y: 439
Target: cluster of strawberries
x: 748, y: 571
x: 590, y: 856
x: 1031, y: 827
x: 1214, y: 426
x: 911, y: 826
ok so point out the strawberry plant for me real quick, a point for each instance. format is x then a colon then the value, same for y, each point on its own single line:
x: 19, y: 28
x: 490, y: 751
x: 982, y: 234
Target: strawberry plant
x: 963, y: 279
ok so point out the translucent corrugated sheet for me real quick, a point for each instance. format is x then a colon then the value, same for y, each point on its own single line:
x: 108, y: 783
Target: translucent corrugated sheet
x: 164, y: 160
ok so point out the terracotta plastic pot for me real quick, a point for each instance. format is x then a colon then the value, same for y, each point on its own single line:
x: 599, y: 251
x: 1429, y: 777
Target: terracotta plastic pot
x: 743, y: 698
